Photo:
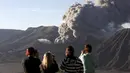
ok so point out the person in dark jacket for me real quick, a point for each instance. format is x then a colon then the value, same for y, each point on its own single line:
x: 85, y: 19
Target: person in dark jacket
x: 31, y: 64
x: 71, y: 64
x: 49, y: 64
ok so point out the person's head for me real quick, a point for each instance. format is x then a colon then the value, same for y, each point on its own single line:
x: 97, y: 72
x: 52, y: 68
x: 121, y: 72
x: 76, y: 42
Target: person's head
x: 36, y: 53
x: 47, y: 60
x: 88, y: 48
x: 30, y: 51
x: 69, y: 51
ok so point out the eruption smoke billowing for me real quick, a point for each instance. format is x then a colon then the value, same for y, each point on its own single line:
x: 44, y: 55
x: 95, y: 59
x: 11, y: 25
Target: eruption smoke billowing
x: 91, y: 19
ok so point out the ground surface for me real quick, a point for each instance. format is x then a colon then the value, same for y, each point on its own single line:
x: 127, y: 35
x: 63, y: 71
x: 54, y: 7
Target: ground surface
x: 17, y: 68
x: 11, y: 68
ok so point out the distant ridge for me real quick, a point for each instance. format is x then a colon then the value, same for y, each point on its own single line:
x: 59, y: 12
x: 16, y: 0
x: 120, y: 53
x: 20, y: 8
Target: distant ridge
x: 7, y: 33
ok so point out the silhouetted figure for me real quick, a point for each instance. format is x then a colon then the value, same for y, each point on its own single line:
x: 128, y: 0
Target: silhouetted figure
x: 71, y: 64
x: 87, y: 59
x: 31, y: 64
x: 49, y: 64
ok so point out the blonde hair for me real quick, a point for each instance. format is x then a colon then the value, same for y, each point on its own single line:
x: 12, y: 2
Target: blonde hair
x: 47, y: 60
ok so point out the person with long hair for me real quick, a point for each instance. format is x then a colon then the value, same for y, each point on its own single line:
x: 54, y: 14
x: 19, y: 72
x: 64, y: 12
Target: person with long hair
x: 71, y: 64
x: 49, y: 64
x: 31, y: 64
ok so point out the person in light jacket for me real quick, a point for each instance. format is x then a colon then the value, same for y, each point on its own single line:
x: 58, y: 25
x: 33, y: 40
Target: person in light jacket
x: 87, y: 59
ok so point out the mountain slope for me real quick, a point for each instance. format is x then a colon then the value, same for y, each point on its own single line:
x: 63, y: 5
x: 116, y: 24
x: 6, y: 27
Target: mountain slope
x: 7, y: 33
x: 114, y: 53
x: 29, y: 36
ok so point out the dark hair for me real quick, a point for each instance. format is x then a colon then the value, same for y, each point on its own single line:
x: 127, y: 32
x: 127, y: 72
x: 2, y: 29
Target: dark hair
x: 36, y: 53
x: 71, y: 50
x: 31, y: 50
x: 89, y: 47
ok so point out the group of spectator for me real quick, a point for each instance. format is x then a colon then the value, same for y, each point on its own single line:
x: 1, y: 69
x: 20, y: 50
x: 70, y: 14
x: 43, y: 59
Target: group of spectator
x: 71, y: 64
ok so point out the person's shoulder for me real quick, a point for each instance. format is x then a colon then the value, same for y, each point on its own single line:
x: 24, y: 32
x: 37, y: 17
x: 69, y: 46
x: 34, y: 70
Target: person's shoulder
x: 25, y: 59
x: 77, y: 58
x: 90, y: 55
x: 66, y: 58
x: 38, y: 60
x: 54, y: 62
x: 86, y: 55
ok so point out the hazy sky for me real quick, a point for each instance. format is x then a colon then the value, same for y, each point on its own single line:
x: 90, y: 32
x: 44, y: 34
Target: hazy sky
x: 20, y: 14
